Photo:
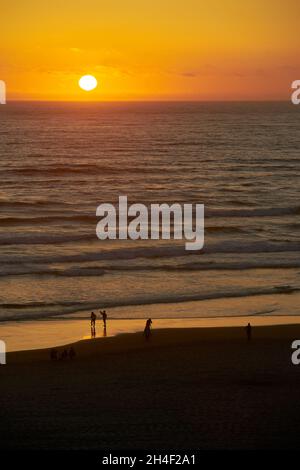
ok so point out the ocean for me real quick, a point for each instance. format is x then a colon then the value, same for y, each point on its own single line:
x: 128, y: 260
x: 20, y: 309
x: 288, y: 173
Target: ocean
x: 59, y: 161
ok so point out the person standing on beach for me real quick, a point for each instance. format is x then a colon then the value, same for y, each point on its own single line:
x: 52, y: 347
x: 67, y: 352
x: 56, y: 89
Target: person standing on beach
x: 53, y: 354
x: 72, y: 353
x: 249, y: 331
x: 104, y: 317
x: 93, y: 324
x: 147, y: 330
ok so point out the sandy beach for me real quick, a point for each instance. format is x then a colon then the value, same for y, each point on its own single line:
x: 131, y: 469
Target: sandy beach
x: 197, y: 388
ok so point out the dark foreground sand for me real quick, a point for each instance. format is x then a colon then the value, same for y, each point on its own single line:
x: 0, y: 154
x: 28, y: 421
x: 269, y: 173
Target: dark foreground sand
x: 186, y: 388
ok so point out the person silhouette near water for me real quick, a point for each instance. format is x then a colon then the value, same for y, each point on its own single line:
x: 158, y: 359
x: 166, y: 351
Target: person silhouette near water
x: 249, y: 332
x: 64, y: 355
x: 147, y: 330
x: 104, y: 317
x: 72, y: 353
x: 54, y: 354
x: 93, y: 324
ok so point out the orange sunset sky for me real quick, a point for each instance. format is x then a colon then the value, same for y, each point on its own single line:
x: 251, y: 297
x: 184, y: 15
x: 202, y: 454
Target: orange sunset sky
x: 150, y: 50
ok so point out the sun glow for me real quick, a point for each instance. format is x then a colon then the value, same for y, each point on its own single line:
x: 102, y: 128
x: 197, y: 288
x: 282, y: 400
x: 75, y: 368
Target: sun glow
x: 88, y: 83
x: 140, y: 51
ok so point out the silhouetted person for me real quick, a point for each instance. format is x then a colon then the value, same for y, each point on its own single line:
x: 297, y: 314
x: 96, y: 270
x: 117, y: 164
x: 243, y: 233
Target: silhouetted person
x: 104, y: 317
x: 64, y: 355
x: 104, y: 332
x: 72, y: 353
x: 53, y: 354
x: 93, y: 325
x: 93, y: 319
x: 249, y: 331
x: 147, y: 330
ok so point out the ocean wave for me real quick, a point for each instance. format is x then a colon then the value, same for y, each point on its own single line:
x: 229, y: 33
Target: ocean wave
x: 86, y: 271
x: 28, y: 270
x: 48, y: 219
x: 226, y: 246
x: 255, y: 212
x: 81, y: 169
x: 7, y: 203
x: 32, y: 238
x: 53, y: 170
x: 244, y: 265
x: 87, y: 218
x: 42, y: 239
x: 51, y: 309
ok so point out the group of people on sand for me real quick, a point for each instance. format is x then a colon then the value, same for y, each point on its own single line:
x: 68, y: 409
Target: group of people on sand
x: 93, y: 322
x: 147, y: 330
x: 55, y: 355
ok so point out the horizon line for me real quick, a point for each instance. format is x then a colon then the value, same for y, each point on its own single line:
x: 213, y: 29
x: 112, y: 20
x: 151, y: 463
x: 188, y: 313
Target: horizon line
x: 149, y: 101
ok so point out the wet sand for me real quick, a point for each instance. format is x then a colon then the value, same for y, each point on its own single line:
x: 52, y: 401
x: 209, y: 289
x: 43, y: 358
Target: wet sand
x: 198, y: 388
x: 45, y: 331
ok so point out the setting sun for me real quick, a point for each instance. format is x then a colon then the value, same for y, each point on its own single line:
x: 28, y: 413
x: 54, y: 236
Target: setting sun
x: 88, y: 83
